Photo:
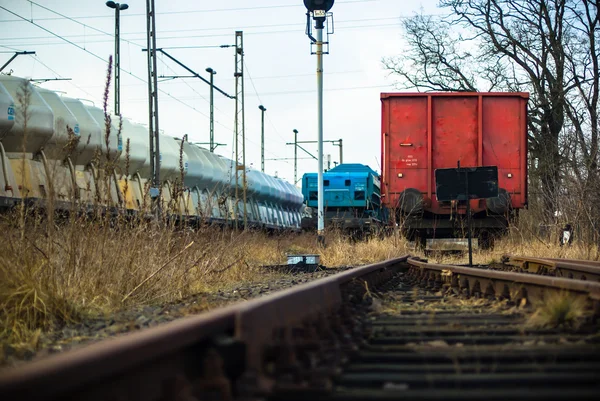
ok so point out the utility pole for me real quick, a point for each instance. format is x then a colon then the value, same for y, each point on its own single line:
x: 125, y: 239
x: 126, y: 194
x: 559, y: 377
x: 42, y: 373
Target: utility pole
x: 153, y: 104
x: 118, y: 8
x: 239, y: 122
x: 321, y: 192
x: 341, y: 150
x: 262, y: 138
x: 212, y: 116
x: 295, y: 156
x: 319, y: 11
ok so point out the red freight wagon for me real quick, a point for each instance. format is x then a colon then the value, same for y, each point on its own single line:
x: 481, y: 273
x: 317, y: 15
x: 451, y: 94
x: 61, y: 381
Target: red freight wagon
x: 421, y: 132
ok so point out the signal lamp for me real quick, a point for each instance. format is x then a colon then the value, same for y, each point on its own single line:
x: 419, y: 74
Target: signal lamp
x: 318, y: 5
x: 121, y: 7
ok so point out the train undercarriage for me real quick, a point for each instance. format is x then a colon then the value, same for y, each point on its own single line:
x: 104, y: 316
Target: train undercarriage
x: 485, y: 227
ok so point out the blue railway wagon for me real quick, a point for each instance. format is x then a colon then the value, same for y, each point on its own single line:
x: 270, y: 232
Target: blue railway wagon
x: 352, y: 197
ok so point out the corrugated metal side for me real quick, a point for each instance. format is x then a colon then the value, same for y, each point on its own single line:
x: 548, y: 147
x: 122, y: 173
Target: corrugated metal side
x: 504, y: 143
x: 425, y: 131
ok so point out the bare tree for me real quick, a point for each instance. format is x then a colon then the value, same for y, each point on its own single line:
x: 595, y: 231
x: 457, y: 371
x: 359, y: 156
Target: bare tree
x: 545, y: 47
x: 435, y: 59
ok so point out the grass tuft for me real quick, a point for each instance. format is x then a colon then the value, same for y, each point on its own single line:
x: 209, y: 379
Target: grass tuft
x: 559, y: 310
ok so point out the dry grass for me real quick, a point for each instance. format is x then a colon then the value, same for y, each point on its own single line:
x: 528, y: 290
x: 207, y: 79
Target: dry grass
x: 51, y: 274
x: 55, y: 273
x: 559, y: 310
x: 517, y: 244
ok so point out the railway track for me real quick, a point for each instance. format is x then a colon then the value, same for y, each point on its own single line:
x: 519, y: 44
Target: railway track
x: 403, y: 328
x: 569, y: 268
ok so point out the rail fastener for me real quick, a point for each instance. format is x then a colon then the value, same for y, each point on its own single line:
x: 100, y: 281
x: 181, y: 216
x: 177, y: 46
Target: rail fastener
x: 498, y: 284
x: 569, y: 268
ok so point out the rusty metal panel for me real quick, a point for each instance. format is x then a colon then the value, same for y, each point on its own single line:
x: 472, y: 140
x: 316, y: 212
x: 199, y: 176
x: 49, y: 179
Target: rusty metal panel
x: 405, y: 150
x: 502, y: 142
x: 422, y: 132
x: 454, y: 131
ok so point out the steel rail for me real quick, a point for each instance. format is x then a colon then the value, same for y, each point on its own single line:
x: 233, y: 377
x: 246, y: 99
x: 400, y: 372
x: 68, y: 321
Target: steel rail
x: 143, y: 365
x: 508, y: 285
x: 569, y: 268
x: 579, y: 261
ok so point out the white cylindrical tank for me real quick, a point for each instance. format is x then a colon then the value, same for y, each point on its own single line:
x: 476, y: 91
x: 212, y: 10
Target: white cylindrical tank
x: 138, y: 146
x: 184, y: 157
x: 221, y: 170
x: 194, y: 175
x: 253, y: 185
x: 210, y: 179
x: 287, y: 193
x: 7, y: 111
x: 40, y: 120
x: 270, y: 191
x: 90, y: 132
x: 258, y: 185
x: 115, y: 143
x: 230, y: 174
x: 231, y: 182
x: 298, y: 198
x: 169, y: 158
x: 278, y: 190
x: 55, y: 148
x: 224, y: 172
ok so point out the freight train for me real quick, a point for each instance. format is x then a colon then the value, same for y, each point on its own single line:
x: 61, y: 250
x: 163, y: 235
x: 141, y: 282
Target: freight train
x: 422, y: 132
x: 352, y: 198
x: 59, y: 149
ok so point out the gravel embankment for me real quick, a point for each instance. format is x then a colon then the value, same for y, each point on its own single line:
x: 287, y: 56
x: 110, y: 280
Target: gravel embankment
x: 92, y: 330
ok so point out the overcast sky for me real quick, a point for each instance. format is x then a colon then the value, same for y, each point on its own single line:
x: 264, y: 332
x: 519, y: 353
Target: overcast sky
x: 279, y: 70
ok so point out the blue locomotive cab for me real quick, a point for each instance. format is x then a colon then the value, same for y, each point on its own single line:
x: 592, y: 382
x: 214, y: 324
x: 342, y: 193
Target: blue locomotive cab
x: 352, y: 194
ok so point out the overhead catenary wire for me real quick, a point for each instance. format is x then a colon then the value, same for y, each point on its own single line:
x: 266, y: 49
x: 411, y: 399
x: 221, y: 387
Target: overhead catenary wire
x: 259, y: 99
x: 78, y: 22
x: 173, y: 82
x: 200, y: 95
x: 391, y: 86
x: 37, y: 58
x: 177, y: 99
x: 171, y: 96
x: 286, y: 25
x: 247, y: 70
x: 219, y: 35
x: 200, y: 11
x: 96, y: 56
x: 11, y: 48
x: 109, y: 34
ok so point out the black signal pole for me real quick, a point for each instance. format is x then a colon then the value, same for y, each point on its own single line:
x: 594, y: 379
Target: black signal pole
x: 118, y: 7
x: 262, y: 137
x: 212, y: 115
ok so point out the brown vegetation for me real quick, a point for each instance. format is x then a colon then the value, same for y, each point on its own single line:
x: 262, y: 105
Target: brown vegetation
x: 559, y: 310
x: 50, y: 275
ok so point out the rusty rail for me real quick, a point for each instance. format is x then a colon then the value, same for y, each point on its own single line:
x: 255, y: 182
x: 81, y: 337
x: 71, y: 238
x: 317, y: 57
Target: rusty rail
x: 569, y: 268
x: 203, y: 351
x: 499, y: 284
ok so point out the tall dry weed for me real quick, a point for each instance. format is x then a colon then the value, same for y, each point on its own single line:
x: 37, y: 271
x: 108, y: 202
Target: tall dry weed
x: 95, y: 267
